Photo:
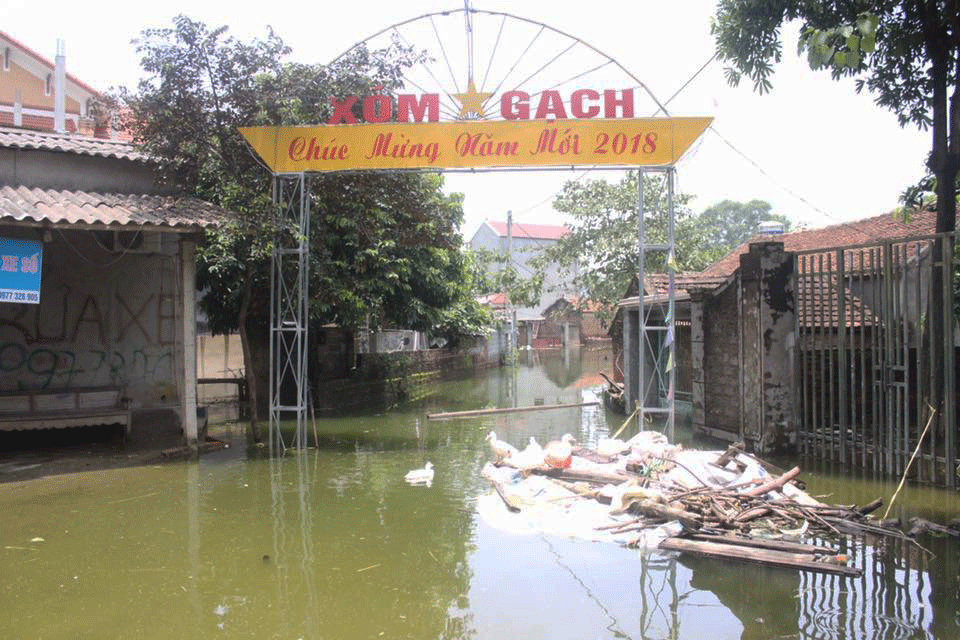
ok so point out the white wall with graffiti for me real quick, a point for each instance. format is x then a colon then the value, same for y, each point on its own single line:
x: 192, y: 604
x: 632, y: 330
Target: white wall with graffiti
x: 109, y: 314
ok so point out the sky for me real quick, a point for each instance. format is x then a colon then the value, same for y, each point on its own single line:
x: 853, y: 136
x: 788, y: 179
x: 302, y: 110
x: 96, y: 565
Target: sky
x: 813, y: 148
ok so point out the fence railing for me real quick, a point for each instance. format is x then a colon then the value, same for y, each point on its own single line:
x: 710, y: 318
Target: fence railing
x: 876, y: 356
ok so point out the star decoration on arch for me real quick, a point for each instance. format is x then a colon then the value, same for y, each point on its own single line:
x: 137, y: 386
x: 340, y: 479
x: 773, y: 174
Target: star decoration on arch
x: 471, y: 102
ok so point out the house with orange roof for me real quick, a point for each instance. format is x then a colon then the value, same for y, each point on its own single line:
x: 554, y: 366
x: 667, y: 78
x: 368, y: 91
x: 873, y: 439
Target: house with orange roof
x: 29, y: 95
x: 525, y: 242
x: 816, y: 340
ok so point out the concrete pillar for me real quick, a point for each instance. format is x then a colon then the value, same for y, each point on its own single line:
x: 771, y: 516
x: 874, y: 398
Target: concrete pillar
x: 696, y: 356
x: 60, y: 89
x: 188, y: 400
x: 767, y: 316
x: 630, y: 372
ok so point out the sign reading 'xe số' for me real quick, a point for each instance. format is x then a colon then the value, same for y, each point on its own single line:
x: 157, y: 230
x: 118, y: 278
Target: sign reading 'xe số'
x: 21, y: 263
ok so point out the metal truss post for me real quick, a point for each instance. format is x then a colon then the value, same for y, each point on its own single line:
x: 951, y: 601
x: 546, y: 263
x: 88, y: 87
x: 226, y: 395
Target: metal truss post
x: 289, y: 312
x: 656, y: 344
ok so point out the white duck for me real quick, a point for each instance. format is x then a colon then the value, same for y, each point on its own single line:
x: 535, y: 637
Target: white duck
x: 421, y: 476
x: 534, y: 447
x: 611, y: 446
x: 500, y: 448
x: 530, y: 458
x: 559, y: 454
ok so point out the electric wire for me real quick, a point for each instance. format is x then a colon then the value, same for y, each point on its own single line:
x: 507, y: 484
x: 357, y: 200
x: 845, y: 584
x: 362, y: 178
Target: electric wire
x: 120, y: 257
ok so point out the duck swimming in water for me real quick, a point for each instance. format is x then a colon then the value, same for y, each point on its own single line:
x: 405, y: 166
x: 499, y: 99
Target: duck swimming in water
x: 421, y: 476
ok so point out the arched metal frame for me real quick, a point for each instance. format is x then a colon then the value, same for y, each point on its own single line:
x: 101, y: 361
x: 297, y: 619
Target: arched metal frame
x: 289, y: 309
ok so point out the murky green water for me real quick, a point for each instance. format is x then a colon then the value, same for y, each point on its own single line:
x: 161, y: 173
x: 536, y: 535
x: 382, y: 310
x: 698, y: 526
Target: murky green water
x: 332, y: 543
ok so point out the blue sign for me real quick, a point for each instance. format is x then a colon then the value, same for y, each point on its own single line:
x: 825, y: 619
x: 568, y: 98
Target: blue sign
x: 20, y: 262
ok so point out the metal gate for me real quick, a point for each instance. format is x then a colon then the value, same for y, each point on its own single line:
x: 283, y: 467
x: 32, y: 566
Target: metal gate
x: 868, y: 359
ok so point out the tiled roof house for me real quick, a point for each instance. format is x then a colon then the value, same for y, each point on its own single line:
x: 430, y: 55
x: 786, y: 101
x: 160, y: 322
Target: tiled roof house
x: 845, y: 234
x: 28, y: 94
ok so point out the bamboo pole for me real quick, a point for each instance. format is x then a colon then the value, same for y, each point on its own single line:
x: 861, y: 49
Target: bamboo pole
x: 484, y: 412
x: 903, y: 479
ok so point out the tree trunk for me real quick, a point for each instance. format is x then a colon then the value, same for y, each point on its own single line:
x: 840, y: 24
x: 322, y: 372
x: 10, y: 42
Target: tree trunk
x: 248, y: 368
x: 943, y: 164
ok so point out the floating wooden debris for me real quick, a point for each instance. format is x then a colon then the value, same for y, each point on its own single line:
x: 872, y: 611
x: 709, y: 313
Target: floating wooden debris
x: 723, y: 504
x: 485, y: 412
x: 830, y: 563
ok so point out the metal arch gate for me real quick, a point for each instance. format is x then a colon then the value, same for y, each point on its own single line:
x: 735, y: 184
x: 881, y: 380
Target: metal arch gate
x: 866, y: 358
x: 289, y: 314
x: 290, y: 262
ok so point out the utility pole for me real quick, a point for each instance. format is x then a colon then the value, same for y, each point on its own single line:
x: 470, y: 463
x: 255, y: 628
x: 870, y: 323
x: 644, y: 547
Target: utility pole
x: 513, y: 311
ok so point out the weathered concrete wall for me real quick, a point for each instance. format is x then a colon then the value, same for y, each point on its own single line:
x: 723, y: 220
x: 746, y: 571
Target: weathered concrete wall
x: 52, y: 170
x: 104, y: 319
x: 777, y: 309
x: 751, y: 346
x: 697, y: 360
x: 743, y: 350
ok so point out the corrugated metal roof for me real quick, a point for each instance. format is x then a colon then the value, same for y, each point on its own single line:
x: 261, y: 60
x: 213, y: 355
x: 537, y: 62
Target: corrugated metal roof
x: 24, y: 204
x: 47, y: 141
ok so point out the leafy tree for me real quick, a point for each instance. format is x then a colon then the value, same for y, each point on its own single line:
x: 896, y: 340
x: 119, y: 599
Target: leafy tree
x: 727, y: 224
x: 602, y: 243
x: 494, y: 273
x: 906, y: 53
x: 600, y: 252
x: 382, y: 244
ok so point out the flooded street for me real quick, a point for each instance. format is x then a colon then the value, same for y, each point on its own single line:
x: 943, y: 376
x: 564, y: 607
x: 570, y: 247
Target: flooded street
x: 331, y: 543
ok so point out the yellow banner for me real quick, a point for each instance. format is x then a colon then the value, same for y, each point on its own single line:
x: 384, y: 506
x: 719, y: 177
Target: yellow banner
x: 475, y: 144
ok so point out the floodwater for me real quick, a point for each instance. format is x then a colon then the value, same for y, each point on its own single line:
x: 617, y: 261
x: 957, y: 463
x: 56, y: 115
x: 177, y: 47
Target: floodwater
x: 331, y: 543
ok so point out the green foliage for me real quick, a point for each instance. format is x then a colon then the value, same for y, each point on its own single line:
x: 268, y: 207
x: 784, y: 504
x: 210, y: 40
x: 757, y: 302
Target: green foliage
x: 905, y: 53
x: 726, y: 225
x: 920, y: 194
x: 382, y: 244
x: 601, y: 248
x: 494, y: 273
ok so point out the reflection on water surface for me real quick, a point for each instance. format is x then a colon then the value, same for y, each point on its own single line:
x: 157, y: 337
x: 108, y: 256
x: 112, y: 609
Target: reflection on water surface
x: 331, y: 543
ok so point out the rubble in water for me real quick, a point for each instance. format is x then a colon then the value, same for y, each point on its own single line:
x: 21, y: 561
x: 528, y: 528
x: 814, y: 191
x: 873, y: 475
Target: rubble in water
x: 647, y: 493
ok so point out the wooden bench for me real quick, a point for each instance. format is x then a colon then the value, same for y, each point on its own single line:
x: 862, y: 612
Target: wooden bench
x: 64, y: 408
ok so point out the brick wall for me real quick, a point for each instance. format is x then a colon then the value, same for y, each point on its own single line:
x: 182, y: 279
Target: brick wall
x: 384, y: 379
x: 719, y: 372
x: 742, y: 349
